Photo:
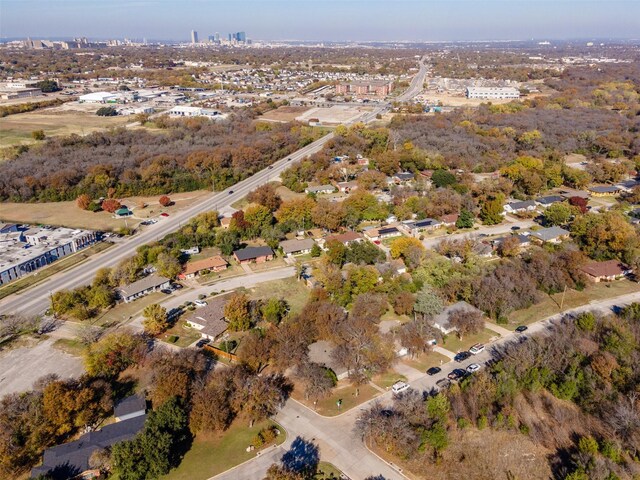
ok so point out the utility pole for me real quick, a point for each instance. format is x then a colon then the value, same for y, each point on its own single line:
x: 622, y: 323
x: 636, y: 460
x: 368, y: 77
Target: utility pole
x: 563, y: 294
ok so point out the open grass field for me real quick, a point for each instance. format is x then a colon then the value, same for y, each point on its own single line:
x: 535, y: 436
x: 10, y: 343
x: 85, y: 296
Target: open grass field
x: 294, y: 292
x: 350, y: 395
x: 180, y: 335
x: 16, y: 129
x: 327, y: 471
x: 573, y: 298
x: 70, y: 346
x: 387, y: 379
x: 125, y: 311
x: 425, y: 361
x: 216, y: 453
x: 67, y: 214
x: 454, y: 344
x: 39, y: 275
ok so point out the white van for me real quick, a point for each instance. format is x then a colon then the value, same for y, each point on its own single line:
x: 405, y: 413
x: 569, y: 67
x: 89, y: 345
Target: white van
x: 399, y: 387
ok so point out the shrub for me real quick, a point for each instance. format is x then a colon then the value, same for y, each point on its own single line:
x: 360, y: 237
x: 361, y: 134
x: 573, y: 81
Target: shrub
x: 110, y: 205
x: 165, y: 201
x: 83, y: 201
x: 38, y: 135
x: 107, y: 112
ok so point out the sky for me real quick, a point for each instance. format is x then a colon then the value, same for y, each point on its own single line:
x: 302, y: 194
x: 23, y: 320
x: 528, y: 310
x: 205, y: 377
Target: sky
x: 323, y: 20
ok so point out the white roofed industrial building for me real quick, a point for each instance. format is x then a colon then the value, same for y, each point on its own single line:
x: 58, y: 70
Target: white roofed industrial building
x: 493, y: 92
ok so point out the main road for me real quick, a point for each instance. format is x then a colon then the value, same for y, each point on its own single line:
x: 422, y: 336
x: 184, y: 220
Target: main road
x: 417, y: 83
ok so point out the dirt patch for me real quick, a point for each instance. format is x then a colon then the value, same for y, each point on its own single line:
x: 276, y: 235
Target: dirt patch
x: 284, y: 114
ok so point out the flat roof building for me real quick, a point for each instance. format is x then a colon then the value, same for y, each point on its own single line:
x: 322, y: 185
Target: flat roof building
x: 493, y: 92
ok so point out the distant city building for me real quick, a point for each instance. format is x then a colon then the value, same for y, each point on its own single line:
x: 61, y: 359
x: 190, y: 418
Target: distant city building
x: 194, y: 36
x: 493, y: 92
x: 211, y: 39
x: 216, y: 37
x: 379, y: 88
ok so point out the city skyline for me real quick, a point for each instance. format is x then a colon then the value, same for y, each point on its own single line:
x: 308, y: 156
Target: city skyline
x: 355, y: 20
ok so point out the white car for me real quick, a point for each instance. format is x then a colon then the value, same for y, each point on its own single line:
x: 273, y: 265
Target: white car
x: 476, y: 349
x: 399, y: 387
x: 200, y: 303
x: 472, y: 368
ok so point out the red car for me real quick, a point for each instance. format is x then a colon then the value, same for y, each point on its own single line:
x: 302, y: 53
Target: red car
x: 165, y: 215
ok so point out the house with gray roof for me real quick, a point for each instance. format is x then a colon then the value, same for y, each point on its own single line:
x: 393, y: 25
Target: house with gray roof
x: 210, y: 320
x: 520, y: 207
x: 442, y: 321
x: 297, y: 247
x: 320, y: 189
x: 550, y: 235
x: 544, y: 202
x: 149, y: 284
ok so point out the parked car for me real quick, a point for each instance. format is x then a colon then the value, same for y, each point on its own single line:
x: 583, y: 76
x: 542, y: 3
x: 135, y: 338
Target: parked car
x: 456, y: 374
x: 443, y: 383
x: 270, y: 167
x: 230, y: 192
x: 476, y: 349
x: 434, y: 370
x: 164, y: 214
x: 166, y: 291
x: 203, y: 342
x: 521, y: 328
x: 461, y: 356
x: 200, y: 303
x: 399, y: 387
x: 474, y: 367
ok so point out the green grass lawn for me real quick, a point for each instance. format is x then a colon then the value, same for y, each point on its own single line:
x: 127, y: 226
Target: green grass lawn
x: 294, y: 292
x: 52, y: 269
x: 213, y: 277
x: 71, y: 346
x: 124, y: 311
x: 573, y: 298
x: 185, y: 334
x: 327, y: 471
x: 425, y: 361
x: 214, y: 454
x: 345, y: 392
x: 277, y: 262
x: 386, y: 380
x: 454, y: 344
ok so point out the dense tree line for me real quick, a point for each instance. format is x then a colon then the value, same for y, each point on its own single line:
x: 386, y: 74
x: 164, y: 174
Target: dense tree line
x: 185, y: 155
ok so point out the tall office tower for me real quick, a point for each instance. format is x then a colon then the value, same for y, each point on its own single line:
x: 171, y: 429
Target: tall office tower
x: 217, y: 37
x: 241, y: 36
x: 229, y: 37
x: 211, y: 39
x: 194, y: 36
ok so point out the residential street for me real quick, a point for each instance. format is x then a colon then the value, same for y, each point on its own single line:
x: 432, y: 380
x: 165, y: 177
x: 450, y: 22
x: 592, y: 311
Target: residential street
x: 335, y: 435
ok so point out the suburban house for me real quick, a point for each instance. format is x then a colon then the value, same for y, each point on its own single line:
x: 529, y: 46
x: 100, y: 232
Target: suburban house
x: 403, y: 177
x: 628, y: 185
x: 604, y: 190
x: 151, y: 283
x: 211, y: 264
x: 320, y: 189
x: 544, y: 202
x: 297, y: 247
x: 523, y: 240
x: 71, y: 460
x: 346, y: 187
x: 605, y: 271
x: 550, y: 235
x: 375, y: 234
x: 346, y: 238
x: 442, y: 320
x: 130, y: 407
x: 320, y: 352
x: 253, y: 255
x: 209, y: 320
x: 520, y: 207
x: 392, y: 267
x: 415, y: 228
x: 449, y: 220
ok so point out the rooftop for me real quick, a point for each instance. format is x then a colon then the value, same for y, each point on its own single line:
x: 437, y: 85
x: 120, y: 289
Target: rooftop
x: 293, y: 246
x: 151, y: 281
x: 250, y: 253
x: 609, y: 268
x: 204, y: 264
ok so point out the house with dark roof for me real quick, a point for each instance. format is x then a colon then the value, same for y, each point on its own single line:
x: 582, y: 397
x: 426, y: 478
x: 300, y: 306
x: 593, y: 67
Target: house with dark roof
x: 70, y: 460
x: 606, y: 271
x: 253, y: 255
x: 209, y: 320
x: 520, y: 207
x: 130, y: 407
x: 375, y: 234
x: 150, y: 283
x: 544, y: 202
x: 321, y: 352
x: 628, y: 185
x: 403, y: 177
x: 604, y: 190
x: 415, y: 228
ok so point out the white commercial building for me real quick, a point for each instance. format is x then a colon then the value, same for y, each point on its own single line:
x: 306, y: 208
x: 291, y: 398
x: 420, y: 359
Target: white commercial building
x: 493, y: 92
x: 98, y: 97
x: 188, y: 111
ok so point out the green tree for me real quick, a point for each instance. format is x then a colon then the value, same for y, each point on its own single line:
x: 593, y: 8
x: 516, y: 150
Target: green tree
x: 259, y: 219
x: 558, y: 214
x: 155, y: 319
x: 316, y: 251
x: 274, y: 310
x: 491, y: 211
x: 465, y: 219
x: 48, y: 86
x: 168, y: 265
x: 428, y: 302
x: 443, y: 178
x: 38, y: 135
x: 227, y: 241
x: 113, y: 353
x: 107, y: 112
